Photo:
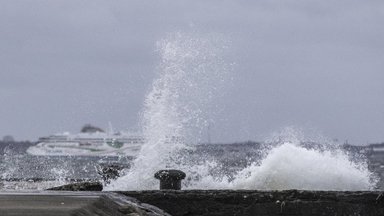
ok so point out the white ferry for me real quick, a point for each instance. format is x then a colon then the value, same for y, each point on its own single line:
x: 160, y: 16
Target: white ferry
x: 92, y: 141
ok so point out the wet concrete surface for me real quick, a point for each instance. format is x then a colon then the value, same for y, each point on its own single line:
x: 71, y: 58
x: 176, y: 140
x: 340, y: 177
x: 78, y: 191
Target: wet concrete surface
x: 44, y: 203
x: 73, y: 203
x: 193, y: 202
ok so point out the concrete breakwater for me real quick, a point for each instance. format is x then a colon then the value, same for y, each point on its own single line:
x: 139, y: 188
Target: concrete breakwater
x: 64, y: 203
x: 264, y: 203
x: 68, y: 200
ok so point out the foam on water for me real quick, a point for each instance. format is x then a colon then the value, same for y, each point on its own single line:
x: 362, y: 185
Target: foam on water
x: 293, y: 161
x: 290, y: 166
x: 191, y: 73
x: 15, y: 175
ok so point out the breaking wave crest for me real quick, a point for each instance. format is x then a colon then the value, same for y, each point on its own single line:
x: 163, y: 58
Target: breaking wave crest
x: 290, y: 166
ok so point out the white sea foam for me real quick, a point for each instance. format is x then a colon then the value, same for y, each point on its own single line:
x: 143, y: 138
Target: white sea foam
x: 290, y: 166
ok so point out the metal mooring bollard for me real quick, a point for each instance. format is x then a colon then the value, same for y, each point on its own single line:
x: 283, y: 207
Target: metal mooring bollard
x: 170, y: 179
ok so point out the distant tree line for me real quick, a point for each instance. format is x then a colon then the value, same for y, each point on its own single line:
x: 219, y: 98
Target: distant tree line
x: 8, y: 138
x: 17, y: 146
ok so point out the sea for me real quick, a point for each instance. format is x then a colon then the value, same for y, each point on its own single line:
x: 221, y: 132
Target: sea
x: 193, y: 71
x: 243, y: 165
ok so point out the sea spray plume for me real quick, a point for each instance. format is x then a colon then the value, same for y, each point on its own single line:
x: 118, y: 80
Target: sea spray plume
x: 192, y: 72
x: 308, y: 138
x: 291, y: 165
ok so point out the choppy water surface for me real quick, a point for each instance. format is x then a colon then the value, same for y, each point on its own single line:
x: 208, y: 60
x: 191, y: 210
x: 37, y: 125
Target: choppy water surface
x: 222, y: 166
x: 20, y: 171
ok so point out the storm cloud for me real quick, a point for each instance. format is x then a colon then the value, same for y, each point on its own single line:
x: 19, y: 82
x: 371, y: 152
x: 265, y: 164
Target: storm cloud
x: 313, y: 64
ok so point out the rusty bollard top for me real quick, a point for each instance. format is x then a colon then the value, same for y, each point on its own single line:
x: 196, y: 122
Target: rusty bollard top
x: 170, y: 179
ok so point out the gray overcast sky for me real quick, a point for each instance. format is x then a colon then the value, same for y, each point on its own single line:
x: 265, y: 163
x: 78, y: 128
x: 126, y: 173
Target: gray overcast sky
x: 314, y: 64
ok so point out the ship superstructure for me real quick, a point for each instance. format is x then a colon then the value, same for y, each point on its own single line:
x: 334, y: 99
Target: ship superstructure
x: 88, y: 143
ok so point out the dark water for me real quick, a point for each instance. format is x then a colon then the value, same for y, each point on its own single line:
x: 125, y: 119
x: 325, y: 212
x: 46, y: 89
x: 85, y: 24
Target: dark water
x: 23, y: 166
x: 20, y: 171
x: 17, y: 166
